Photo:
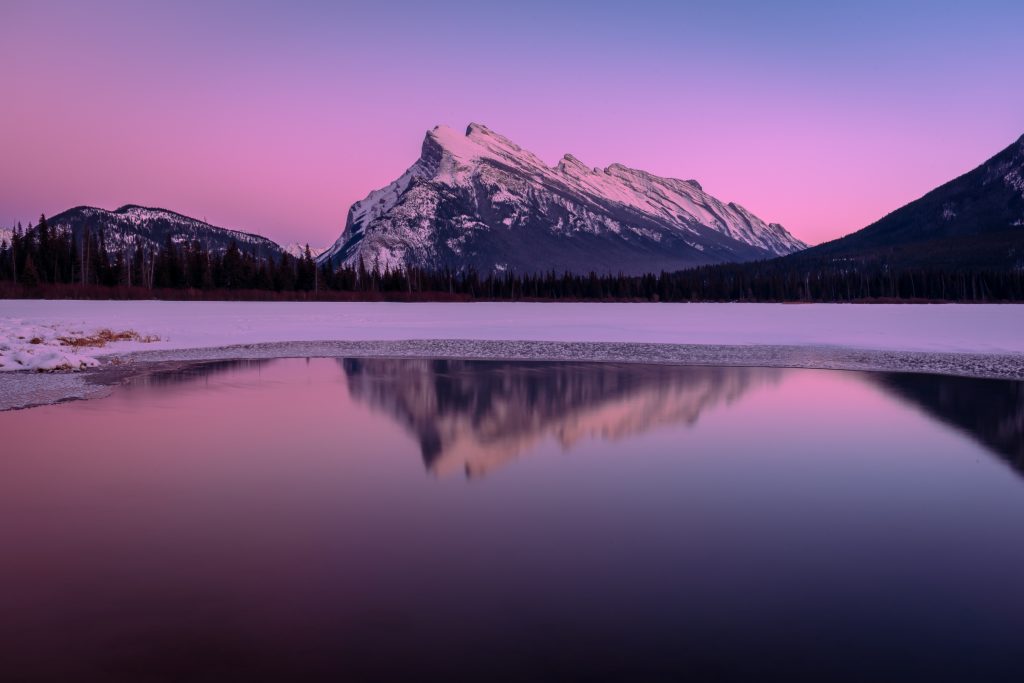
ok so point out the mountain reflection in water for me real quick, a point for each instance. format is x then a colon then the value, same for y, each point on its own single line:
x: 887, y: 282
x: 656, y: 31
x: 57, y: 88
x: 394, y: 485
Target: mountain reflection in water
x: 475, y: 416
x: 990, y: 411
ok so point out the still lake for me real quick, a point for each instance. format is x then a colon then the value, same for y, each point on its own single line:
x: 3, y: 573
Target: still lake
x: 383, y: 519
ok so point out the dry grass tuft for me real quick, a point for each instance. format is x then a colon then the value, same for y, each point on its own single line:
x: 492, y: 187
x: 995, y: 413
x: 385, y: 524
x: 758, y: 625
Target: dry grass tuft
x: 104, y: 337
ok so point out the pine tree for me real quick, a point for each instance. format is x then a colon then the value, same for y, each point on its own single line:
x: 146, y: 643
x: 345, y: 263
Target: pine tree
x: 232, y: 267
x: 29, y: 275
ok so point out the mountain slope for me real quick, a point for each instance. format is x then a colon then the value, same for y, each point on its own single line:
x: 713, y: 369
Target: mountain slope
x: 974, y: 220
x: 132, y: 225
x: 479, y: 200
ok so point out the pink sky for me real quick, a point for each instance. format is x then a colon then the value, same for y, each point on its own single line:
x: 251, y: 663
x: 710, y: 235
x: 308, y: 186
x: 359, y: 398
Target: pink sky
x: 274, y: 120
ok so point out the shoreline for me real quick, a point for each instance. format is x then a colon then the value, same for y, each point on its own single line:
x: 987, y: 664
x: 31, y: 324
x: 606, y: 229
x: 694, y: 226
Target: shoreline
x: 23, y: 389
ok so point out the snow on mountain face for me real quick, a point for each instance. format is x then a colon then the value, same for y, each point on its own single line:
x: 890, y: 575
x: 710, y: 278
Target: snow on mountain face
x: 479, y: 200
x: 1009, y: 169
x: 131, y: 226
x: 298, y: 250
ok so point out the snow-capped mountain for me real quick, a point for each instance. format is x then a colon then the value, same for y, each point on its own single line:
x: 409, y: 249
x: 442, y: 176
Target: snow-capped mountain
x: 132, y: 225
x: 479, y: 200
x: 298, y: 250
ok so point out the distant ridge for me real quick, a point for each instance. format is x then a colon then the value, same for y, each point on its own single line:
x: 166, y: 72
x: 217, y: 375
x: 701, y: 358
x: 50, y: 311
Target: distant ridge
x: 131, y: 225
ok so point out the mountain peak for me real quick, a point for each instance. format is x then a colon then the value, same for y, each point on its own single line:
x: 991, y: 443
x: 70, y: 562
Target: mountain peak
x: 478, y: 142
x: 570, y: 165
x: 480, y: 130
x: 449, y: 140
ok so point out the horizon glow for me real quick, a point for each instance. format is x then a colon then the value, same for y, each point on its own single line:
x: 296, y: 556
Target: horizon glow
x: 274, y: 119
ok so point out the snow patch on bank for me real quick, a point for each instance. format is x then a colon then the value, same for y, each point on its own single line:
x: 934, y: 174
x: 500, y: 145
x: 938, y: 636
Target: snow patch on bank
x: 58, y: 345
x: 24, y: 346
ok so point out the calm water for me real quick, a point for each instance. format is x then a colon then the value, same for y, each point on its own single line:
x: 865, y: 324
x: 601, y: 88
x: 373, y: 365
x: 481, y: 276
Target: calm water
x: 399, y: 519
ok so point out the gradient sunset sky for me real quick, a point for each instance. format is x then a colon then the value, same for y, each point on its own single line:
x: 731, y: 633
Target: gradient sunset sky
x: 274, y: 117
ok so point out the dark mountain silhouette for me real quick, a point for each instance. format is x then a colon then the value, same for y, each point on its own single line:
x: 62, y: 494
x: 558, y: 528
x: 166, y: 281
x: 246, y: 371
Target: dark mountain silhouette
x: 976, y: 220
x: 991, y: 411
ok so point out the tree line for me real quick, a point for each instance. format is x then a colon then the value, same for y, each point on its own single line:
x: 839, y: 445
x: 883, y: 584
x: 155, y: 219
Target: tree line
x: 44, y: 261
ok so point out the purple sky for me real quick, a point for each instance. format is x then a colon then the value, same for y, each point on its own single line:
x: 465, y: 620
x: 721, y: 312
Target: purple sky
x: 275, y: 117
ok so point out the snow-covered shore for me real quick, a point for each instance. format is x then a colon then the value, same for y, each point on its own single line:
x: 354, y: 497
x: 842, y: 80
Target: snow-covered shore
x: 192, y: 325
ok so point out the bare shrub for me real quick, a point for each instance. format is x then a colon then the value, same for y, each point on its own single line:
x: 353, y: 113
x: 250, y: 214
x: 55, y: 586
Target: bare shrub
x: 103, y: 337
